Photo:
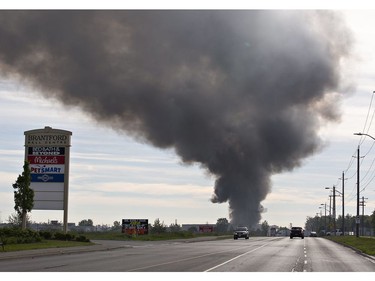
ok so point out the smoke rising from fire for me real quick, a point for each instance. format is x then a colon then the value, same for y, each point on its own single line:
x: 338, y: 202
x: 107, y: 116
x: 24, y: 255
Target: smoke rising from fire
x: 242, y: 93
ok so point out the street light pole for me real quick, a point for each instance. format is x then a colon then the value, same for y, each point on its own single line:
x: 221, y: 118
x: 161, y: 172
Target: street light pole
x: 357, y: 220
x: 333, y: 208
x: 330, y: 212
x: 361, y: 134
x: 325, y: 218
x: 343, y: 212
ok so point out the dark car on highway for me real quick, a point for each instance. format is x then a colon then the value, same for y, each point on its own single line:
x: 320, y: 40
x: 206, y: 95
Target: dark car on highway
x: 241, y: 232
x: 296, y: 232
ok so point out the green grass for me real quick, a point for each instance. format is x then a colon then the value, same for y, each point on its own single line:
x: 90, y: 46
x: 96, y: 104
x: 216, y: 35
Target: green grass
x: 43, y: 245
x: 364, y: 244
x: 150, y: 237
x: 103, y: 236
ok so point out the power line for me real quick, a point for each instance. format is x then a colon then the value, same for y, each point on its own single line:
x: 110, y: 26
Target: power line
x: 371, y: 175
x: 361, y: 140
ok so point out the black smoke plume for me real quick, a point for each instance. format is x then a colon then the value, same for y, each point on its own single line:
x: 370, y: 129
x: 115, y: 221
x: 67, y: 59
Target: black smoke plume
x: 243, y: 93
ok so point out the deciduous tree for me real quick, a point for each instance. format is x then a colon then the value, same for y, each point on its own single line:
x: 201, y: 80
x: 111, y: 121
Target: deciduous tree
x: 265, y: 228
x: 174, y: 227
x: 222, y: 225
x: 158, y: 227
x: 23, y: 194
x: 88, y: 222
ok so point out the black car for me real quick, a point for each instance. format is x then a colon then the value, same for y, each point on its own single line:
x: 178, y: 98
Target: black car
x: 296, y: 232
x: 241, y: 232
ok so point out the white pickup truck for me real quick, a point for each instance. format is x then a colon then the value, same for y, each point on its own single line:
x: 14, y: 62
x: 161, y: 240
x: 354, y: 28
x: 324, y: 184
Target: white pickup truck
x: 338, y: 233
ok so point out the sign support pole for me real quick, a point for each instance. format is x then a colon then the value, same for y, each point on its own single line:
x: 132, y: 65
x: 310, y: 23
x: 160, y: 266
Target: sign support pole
x: 66, y: 190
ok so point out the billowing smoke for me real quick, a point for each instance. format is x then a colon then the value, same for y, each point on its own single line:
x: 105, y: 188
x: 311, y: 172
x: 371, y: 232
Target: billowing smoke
x: 242, y: 93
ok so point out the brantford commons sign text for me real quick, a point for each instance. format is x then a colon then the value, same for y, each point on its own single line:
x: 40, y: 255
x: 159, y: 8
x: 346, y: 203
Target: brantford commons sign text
x: 47, y: 139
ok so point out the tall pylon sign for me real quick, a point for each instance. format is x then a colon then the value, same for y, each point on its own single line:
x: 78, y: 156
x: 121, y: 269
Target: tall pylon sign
x: 48, y: 153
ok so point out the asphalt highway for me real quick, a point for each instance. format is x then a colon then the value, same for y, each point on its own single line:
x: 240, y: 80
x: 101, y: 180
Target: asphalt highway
x: 257, y: 254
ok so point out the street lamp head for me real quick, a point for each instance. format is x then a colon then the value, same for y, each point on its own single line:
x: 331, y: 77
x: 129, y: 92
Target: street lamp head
x: 361, y: 134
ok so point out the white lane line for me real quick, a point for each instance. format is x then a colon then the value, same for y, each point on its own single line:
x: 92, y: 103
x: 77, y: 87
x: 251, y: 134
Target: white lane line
x: 305, y: 251
x: 181, y: 260
x: 232, y: 259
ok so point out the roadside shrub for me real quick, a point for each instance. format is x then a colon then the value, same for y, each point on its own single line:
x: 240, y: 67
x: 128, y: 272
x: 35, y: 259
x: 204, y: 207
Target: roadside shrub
x: 82, y: 238
x: 14, y: 235
x: 63, y: 236
x: 69, y: 236
x: 46, y: 235
x: 28, y: 236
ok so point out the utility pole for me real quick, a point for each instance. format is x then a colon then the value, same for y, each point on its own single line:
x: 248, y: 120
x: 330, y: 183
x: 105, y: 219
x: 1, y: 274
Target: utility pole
x: 343, y: 204
x: 334, y: 209
x: 330, y: 213
x: 362, y: 203
x: 343, y: 208
x: 357, y: 218
x: 325, y: 219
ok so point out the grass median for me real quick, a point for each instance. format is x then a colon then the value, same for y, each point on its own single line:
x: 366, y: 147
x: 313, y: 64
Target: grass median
x: 152, y: 236
x: 45, y: 244
x: 363, y: 244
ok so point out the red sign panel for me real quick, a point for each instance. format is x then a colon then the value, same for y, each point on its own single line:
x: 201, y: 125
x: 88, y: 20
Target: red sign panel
x: 206, y: 228
x: 46, y: 159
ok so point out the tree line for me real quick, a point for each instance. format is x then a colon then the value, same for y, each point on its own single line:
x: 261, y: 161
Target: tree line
x: 323, y: 224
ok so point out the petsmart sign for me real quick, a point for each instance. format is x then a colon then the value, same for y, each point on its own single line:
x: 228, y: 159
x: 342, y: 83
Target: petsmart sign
x: 47, y: 151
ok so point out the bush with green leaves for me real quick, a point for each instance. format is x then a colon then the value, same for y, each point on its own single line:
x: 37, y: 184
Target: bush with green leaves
x: 82, y: 238
x: 63, y: 236
x: 69, y: 237
x: 46, y: 235
x: 15, y: 235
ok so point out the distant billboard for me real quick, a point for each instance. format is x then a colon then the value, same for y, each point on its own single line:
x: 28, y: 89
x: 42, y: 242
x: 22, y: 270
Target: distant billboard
x: 135, y: 226
x: 206, y: 228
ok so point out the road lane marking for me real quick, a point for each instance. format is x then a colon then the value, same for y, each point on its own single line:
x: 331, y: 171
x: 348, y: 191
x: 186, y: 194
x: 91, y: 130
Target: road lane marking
x: 181, y: 260
x: 299, y: 260
x: 232, y: 259
x: 305, y: 251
